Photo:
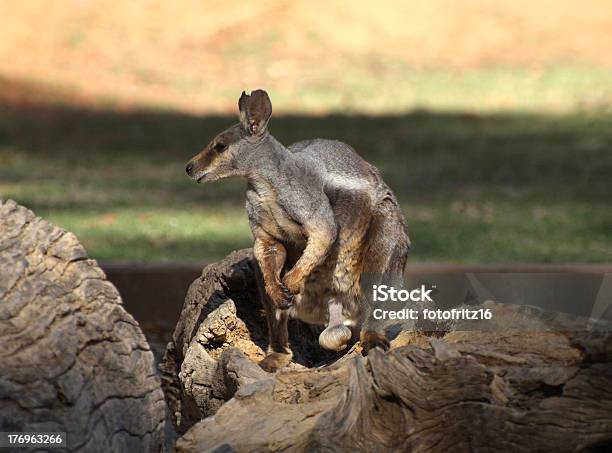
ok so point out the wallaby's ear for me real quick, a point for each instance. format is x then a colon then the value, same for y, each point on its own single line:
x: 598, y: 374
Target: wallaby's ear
x: 255, y: 111
x: 242, y: 107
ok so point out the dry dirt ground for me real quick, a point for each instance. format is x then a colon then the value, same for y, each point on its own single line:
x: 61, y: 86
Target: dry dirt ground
x: 315, y: 56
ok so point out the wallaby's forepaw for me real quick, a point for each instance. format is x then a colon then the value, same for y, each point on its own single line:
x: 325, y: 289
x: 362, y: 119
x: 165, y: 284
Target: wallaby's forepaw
x: 292, y: 281
x: 275, y: 361
x: 371, y: 340
x: 335, y: 338
x: 285, y: 299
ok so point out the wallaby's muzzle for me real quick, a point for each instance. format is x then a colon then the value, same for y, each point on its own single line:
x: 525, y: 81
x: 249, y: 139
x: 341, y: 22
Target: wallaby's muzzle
x: 189, y: 169
x: 194, y: 172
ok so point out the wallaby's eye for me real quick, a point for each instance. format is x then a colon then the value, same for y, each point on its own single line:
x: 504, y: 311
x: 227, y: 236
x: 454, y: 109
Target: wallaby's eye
x: 219, y: 147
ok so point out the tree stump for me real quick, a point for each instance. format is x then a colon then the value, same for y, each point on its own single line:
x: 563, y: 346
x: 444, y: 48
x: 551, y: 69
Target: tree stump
x: 72, y: 359
x: 540, y: 389
x: 222, y: 311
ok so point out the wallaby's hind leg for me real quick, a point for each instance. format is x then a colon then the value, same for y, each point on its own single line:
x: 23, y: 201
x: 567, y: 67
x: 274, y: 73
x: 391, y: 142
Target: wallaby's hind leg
x: 279, y: 352
x: 344, y: 308
x: 385, y: 261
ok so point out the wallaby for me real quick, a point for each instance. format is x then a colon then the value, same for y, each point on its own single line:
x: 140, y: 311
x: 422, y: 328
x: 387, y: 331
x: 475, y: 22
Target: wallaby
x: 322, y: 218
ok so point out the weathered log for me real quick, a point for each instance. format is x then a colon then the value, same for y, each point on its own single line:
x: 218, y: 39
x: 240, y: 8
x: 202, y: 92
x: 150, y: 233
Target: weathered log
x: 532, y: 390
x: 221, y: 311
x: 71, y: 358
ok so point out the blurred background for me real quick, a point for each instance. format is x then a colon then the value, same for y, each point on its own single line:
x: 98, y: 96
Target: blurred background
x: 490, y: 120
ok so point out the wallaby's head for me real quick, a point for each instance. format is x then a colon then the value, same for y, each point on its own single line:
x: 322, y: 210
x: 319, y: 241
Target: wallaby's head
x: 222, y: 157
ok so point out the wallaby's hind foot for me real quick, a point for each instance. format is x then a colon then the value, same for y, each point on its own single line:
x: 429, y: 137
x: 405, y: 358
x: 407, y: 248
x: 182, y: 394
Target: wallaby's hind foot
x: 275, y: 361
x: 335, y: 338
x: 371, y: 339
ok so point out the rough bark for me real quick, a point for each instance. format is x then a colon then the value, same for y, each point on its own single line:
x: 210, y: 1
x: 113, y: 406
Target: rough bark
x: 539, y: 389
x: 72, y: 359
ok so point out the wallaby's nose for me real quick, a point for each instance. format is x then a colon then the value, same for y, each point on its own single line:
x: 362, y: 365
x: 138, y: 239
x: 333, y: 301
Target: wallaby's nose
x: 189, y: 168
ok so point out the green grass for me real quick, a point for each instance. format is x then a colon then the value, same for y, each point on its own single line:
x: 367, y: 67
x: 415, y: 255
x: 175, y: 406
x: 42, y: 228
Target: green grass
x: 400, y: 87
x: 488, y: 188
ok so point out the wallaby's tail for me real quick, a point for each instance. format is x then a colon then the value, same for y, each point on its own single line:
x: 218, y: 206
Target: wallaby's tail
x: 388, y: 242
x: 385, y: 258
